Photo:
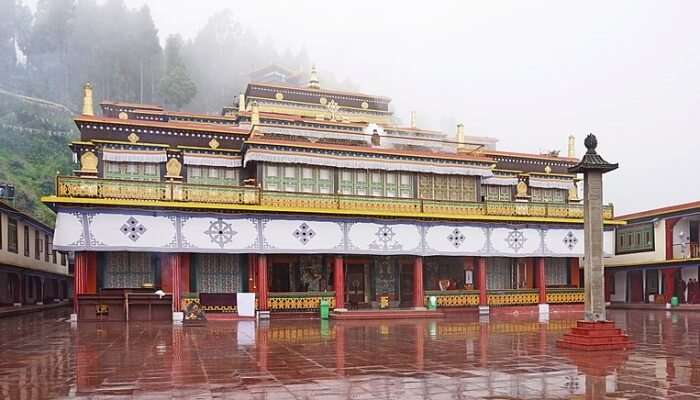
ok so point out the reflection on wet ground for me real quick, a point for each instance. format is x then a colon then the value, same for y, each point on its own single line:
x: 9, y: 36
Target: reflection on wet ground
x: 43, y: 356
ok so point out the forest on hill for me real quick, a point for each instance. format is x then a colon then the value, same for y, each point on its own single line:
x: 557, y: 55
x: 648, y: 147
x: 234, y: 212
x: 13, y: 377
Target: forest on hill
x: 48, y: 53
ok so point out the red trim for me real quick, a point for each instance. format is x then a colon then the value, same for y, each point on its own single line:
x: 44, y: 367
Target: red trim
x: 263, y: 290
x: 418, y: 292
x: 541, y: 280
x: 481, y: 281
x: 339, y: 281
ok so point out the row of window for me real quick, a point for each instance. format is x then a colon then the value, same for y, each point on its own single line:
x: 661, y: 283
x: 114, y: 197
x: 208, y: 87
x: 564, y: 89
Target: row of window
x: 634, y: 239
x: 311, y: 179
x: 42, y: 243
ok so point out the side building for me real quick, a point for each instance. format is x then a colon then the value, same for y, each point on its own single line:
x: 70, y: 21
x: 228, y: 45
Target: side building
x: 299, y: 193
x: 32, y: 271
x: 657, y: 257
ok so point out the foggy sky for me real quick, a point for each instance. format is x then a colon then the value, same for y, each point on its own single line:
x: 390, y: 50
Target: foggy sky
x: 528, y: 73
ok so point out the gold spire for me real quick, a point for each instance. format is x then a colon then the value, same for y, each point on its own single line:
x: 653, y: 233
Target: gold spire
x: 87, y: 99
x: 313, y: 79
x: 572, y: 147
x: 241, y: 102
x: 255, y: 117
x: 461, y: 145
x: 414, y: 125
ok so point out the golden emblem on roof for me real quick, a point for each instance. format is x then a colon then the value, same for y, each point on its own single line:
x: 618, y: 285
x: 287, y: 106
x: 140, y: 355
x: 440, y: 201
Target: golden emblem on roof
x: 133, y: 138
x: 279, y: 96
x: 214, y: 144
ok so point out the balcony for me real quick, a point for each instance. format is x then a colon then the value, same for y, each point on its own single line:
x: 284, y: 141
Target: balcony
x: 176, y: 194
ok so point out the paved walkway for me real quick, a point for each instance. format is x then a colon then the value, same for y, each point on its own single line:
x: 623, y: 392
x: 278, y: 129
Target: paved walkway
x: 44, y: 356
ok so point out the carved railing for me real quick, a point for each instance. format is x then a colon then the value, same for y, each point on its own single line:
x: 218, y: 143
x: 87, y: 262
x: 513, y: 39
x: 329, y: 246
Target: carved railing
x: 299, y: 301
x: 114, y: 189
x: 564, y: 295
x: 454, y: 298
x: 514, y: 297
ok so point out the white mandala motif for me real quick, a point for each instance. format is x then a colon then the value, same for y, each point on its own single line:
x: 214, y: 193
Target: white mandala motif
x: 304, y: 233
x: 570, y: 240
x: 133, y: 229
x: 456, y: 237
x: 516, y: 240
x: 220, y: 232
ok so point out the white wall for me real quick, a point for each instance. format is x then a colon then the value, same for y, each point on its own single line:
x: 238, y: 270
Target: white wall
x: 659, y: 253
x: 620, y: 294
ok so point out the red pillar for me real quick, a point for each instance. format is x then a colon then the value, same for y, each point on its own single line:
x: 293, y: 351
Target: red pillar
x: 418, y: 282
x: 339, y: 282
x: 541, y: 280
x: 84, y: 276
x: 574, y: 280
x: 252, y: 276
x: 669, y: 280
x: 176, y: 277
x: 262, y: 283
x: 483, y: 299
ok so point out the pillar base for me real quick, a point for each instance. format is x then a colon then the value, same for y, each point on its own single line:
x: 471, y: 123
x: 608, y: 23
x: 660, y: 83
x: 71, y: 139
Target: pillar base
x: 263, y: 315
x: 39, y: 303
x: 340, y: 309
x: 483, y: 310
x: 17, y: 304
x: 178, y: 317
x: 595, y: 336
x: 74, y: 318
x: 421, y: 308
x: 543, y: 308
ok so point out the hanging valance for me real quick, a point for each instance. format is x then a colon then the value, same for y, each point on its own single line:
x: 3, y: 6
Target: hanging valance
x: 551, y: 183
x: 212, y: 160
x: 501, y: 180
x: 139, y: 156
x: 364, y: 162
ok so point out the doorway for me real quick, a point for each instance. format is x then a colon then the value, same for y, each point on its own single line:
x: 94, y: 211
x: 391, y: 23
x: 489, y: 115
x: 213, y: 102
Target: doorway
x: 355, y: 284
x: 406, y: 286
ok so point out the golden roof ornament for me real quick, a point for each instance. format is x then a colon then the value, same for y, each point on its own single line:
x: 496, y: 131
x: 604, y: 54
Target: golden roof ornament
x: 547, y: 169
x: 133, y: 138
x: 87, y: 99
x: 313, y: 79
x: 333, y: 109
x: 214, y: 144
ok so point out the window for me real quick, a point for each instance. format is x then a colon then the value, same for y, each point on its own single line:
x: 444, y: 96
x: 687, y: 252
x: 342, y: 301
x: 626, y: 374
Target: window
x: 128, y: 270
x: 132, y: 171
x: 64, y: 259
x: 556, y: 271
x: 540, y: 195
x: 447, y: 187
x: 37, y: 244
x: 47, y: 248
x: 12, y: 235
x: 381, y: 183
x: 498, y: 193
x: 500, y: 273
x: 222, y: 176
x: 26, y: 241
x: 634, y: 238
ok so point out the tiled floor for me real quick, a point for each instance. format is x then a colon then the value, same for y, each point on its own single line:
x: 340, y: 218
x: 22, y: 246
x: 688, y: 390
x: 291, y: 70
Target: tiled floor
x: 43, y: 356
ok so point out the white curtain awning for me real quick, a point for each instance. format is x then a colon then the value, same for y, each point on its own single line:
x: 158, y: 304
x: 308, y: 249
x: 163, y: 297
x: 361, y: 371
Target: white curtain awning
x: 212, y: 160
x: 551, y: 183
x: 139, y: 156
x: 363, y: 162
x: 501, y: 180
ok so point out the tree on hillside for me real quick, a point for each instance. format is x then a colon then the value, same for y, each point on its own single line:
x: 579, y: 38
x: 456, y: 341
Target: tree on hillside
x: 176, y: 87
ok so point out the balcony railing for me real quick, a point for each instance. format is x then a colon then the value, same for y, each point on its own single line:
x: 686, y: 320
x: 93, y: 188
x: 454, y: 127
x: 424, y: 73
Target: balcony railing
x: 141, y: 191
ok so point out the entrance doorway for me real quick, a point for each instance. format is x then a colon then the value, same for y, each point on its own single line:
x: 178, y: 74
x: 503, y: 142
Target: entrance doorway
x: 406, y: 286
x: 355, y: 285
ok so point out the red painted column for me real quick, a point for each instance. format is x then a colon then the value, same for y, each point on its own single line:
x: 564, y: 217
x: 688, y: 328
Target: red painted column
x: 339, y: 282
x: 669, y: 283
x: 176, y: 280
x: 481, y: 281
x: 541, y: 280
x: 252, y: 276
x: 262, y: 283
x: 574, y: 280
x: 84, y: 262
x: 418, y: 292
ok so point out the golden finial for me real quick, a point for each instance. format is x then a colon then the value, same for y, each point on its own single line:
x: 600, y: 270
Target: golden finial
x: 414, y: 124
x: 313, y: 79
x: 87, y: 99
x: 461, y: 145
x: 572, y: 147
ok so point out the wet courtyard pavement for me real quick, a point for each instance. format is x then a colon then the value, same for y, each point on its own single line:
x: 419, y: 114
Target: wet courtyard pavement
x: 43, y: 356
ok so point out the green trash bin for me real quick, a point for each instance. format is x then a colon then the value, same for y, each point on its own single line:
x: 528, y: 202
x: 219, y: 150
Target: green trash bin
x: 325, y: 308
x: 432, y: 302
x: 674, y: 301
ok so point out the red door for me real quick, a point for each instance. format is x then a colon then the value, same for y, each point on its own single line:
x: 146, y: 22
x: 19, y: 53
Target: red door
x: 634, y: 280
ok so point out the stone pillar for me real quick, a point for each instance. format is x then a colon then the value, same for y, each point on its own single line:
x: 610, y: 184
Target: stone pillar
x: 339, y: 283
x: 418, y: 292
x: 262, y: 287
x: 481, y: 282
x: 593, y: 246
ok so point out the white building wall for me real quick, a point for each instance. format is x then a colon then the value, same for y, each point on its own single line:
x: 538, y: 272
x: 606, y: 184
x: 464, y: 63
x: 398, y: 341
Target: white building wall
x: 659, y: 253
x: 620, y: 294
